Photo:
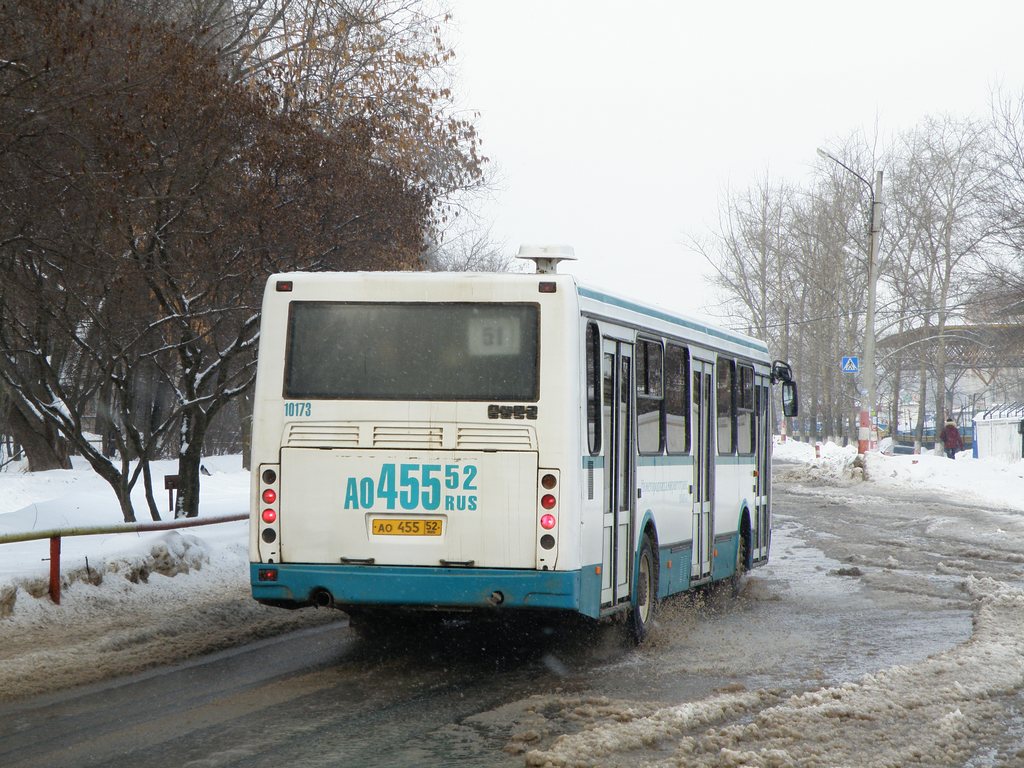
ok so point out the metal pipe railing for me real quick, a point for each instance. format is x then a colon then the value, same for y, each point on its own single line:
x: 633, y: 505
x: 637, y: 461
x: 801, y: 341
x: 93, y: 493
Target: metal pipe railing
x: 56, y: 534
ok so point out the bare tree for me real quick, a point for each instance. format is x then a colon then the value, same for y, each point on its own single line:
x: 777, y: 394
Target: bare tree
x: 999, y: 285
x: 1005, y: 196
x: 947, y: 179
x: 469, y: 251
x: 749, y: 253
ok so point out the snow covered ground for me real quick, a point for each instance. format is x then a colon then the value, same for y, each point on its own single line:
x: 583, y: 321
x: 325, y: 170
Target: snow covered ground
x: 61, y: 499
x: 986, y: 481
x: 130, y: 600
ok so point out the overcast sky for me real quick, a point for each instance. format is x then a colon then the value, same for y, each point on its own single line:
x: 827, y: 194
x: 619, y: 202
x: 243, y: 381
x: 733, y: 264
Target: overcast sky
x: 617, y: 127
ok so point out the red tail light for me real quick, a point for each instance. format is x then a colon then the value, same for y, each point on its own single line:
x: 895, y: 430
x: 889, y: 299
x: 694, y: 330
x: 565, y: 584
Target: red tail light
x: 547, y: 522
x: 269, y: 496
x: 269, y: 516
x: 547, y: 501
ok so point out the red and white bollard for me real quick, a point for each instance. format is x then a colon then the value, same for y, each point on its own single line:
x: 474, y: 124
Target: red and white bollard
x: 864, y: 433
x: 817, y: 450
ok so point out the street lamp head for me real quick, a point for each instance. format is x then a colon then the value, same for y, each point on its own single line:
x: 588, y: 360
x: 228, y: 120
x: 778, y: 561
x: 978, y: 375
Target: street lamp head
x: 840, y: 163
x: 829, y: 156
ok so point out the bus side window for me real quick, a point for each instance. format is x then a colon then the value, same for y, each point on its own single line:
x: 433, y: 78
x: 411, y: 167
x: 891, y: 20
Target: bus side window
x: 725, y: 406
x: 745, y: 427
x: 593, y: 389
x: 650, y: 397
x: 677, y: 399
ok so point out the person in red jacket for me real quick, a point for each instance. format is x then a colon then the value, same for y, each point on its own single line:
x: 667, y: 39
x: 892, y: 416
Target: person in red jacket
x: 950, y: 438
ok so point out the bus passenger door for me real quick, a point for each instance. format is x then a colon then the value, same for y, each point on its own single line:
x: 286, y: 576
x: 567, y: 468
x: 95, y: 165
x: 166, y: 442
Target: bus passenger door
x: 617, y: 445
x: 762, y: 524
x: 703, y: 469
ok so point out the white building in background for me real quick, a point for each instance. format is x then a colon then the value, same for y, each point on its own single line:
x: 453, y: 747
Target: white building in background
x: 999, y: 432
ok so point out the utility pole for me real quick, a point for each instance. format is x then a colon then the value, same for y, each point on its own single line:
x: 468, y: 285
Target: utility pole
x: 868, y: 404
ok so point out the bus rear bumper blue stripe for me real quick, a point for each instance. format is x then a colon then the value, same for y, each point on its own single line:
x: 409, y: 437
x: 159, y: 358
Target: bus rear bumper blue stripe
x: 296, y: 583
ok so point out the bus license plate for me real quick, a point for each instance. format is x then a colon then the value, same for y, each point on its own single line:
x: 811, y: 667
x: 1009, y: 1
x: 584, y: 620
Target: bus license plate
x: 393, y: 527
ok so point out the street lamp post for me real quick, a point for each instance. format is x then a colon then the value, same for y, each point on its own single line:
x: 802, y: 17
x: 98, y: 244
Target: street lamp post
x: 866, y: 415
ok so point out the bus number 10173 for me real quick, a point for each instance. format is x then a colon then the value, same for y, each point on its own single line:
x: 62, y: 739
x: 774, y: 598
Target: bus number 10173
x: 298, y: 409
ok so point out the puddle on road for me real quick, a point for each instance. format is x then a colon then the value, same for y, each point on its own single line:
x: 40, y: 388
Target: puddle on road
x: 797, y: 623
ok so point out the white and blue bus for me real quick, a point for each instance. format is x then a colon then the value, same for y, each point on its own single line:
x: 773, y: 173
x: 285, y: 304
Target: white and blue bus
x: 500, y: 442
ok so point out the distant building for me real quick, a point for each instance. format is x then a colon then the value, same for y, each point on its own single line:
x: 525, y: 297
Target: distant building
x: 999, y: 433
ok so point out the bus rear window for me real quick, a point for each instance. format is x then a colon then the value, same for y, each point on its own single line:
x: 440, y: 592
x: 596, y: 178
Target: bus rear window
x: 455, y: 351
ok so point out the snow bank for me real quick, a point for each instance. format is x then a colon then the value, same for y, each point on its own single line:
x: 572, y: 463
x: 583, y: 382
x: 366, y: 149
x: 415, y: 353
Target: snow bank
x: 987, y: 481
x: 58, y: 499
x: 130, y: 600
x: 824, y: 462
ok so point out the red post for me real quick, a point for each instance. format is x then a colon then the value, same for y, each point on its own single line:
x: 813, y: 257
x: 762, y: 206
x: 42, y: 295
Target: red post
x: 55, y: 569
x: 864, y: 433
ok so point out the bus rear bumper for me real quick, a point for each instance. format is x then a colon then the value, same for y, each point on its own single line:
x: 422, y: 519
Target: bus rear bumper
x: 293, y: 585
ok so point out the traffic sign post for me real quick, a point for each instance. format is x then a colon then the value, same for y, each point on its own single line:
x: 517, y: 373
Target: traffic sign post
x: 851, y: 364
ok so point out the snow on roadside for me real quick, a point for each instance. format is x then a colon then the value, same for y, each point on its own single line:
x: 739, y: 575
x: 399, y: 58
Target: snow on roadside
x: 129, y: 600
x: 78, y: 497
x: 988, y: 481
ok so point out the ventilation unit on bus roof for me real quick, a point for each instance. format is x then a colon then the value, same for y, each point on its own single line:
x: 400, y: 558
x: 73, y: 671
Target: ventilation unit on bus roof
x: 546, y: 257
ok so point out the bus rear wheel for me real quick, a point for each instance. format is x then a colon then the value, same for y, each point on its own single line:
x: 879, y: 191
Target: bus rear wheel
x: 645, y: 596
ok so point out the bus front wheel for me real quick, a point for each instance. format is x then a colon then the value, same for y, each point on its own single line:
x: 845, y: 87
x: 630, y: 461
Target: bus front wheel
x: 645, y: 596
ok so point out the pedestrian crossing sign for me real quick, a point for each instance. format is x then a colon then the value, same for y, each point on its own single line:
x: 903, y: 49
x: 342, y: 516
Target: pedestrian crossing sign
x: 851, y: 364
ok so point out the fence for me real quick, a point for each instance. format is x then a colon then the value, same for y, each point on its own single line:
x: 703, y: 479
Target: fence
x: 56, y: 535
x: 1000, y: 432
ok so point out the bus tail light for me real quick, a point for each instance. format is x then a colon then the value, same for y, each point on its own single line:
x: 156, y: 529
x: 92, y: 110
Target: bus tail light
x: 547, y: 520
x: 547, y: 495
x: 269, y: 499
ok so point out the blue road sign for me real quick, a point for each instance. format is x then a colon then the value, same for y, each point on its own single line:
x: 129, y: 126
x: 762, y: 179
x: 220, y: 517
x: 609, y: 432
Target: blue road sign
x: 851, y: 364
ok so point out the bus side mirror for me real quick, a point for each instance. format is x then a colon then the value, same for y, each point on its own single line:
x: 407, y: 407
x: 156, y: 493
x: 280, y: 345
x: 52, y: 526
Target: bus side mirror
x: 790, y: 405
x: 781, y: 371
